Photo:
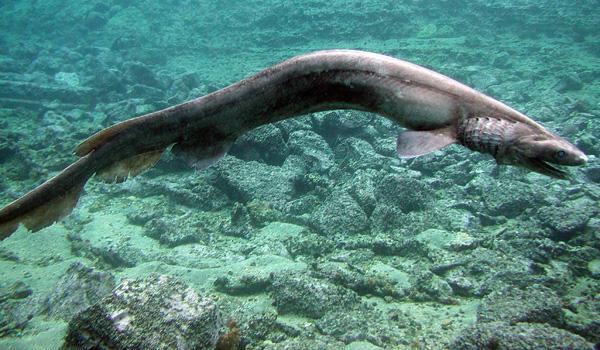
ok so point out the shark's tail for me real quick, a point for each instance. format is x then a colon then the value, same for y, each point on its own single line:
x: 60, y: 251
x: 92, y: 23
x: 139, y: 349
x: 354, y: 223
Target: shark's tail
x: 56, y: 198
x: 47, y: 203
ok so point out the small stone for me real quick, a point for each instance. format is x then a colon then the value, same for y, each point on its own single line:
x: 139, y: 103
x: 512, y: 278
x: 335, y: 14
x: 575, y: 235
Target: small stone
x: 69, y: 79
x: 594, y: 267
x: 569, y: 82
x: 17, y: 290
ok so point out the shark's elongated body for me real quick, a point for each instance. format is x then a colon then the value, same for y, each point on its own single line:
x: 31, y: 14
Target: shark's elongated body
x: 438, y: 111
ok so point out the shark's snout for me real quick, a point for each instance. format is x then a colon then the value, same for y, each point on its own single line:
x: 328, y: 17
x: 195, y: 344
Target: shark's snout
x: 581, y: 159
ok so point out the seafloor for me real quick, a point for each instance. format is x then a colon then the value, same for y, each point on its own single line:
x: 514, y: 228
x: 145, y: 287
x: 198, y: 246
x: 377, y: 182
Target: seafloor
x: 311, y: 234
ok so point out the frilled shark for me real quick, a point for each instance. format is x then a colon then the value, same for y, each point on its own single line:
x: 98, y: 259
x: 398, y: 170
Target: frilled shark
x: 436, y: 110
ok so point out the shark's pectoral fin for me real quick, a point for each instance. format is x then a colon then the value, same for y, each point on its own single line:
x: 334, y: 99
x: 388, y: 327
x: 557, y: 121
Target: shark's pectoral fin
x: 412, y: 144
x: 204, y: 151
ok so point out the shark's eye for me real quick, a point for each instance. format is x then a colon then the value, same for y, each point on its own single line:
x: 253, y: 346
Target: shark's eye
x: 560, y: 154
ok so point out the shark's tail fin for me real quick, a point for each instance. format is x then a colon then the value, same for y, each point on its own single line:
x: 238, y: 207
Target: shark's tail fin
x: 47, y: 203
x: 56, y: 198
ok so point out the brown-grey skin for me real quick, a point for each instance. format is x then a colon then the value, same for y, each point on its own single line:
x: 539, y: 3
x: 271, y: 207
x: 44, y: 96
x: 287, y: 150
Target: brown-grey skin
x: 438, y: 111
x: 519, y: 144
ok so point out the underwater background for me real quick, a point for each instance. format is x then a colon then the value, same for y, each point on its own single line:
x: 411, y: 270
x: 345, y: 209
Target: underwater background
x: 311, y: 233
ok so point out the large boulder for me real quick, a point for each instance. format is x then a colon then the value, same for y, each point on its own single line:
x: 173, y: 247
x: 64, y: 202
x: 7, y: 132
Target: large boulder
x: 340, y: 214
x: 157, y: 312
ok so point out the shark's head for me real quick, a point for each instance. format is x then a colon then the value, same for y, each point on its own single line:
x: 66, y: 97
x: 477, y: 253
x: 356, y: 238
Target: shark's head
x: 541, y: 151
x: 516, y: 143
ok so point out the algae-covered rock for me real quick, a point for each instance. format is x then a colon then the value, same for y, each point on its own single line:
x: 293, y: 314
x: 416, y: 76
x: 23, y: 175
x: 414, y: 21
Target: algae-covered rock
x: 386, y: 217
x: 139, y: 73
x: 17, y: 290
x: 312, y: 149
x: 593, y: 173
x: 521, y: 336
x: 362, y: 189
x: 354, y: 153
x: 319, y: 342
x: 340, y: 214
x: 307, y: 296
x: 344, y: 121
x: 405, y: 193
x: 157, y: 312
x: 380, y: 280
x: 264, y: 144
x: 581, y: 312
x: 192, y: 191
x: 533, y: 304
x: 309, y: 244
x: 244, y: 181
x: 508, y: 198
x: 386, y: 330
x: 242, y: 285
x: 427, y: 286
x: 566, y: 220
x: 173, y: 231
x: 77, y: 290
x: 15, y: 309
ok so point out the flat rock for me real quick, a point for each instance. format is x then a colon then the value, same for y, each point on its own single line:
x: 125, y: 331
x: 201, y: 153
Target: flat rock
x: 521, y: 336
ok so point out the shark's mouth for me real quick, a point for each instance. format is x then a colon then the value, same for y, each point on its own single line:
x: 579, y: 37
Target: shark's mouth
x: 542, y: 167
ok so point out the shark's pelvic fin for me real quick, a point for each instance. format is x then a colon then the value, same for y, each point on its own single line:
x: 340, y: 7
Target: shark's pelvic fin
x: 412, y: 144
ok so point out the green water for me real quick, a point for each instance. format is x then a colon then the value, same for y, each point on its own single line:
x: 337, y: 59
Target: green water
x: 310, y: 233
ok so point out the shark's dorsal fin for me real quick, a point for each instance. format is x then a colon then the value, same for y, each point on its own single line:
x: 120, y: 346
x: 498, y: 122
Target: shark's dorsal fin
x: 412, y: 144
